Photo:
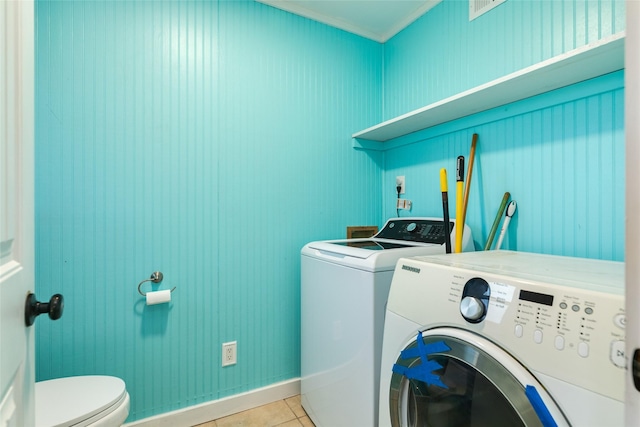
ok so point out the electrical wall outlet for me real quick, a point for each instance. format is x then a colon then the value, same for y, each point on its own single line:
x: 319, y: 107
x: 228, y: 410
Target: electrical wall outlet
x: 229, y: 353
x: 400, y: 182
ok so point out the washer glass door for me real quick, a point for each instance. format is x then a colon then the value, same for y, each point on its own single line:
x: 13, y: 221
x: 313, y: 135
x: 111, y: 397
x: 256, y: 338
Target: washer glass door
x: 474, y: 384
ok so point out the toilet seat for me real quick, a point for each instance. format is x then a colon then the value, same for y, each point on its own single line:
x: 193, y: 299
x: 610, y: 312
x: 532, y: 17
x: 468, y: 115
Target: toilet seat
x: 92, y: 400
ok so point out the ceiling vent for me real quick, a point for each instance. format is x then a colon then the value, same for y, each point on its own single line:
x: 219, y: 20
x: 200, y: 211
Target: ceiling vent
x: 478, y: 7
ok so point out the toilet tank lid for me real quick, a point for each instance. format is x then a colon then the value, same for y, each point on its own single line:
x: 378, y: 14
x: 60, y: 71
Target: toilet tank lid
x: 67, y: 401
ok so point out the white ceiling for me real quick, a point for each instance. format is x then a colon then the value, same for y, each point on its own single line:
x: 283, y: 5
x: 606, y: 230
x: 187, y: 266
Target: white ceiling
x: 378, y: 20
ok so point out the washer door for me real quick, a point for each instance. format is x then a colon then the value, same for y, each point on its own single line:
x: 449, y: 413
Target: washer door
x: 469, y: 382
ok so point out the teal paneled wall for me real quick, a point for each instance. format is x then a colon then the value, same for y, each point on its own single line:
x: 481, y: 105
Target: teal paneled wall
x: 443, y: 54
x: 561, y: 154
x: 207, y: 140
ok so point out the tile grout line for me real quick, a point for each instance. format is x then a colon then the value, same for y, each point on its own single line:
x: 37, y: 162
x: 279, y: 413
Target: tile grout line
x: 292, y: 404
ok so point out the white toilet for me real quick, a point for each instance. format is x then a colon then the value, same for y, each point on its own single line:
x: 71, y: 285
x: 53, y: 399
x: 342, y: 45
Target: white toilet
x: 81, y: 401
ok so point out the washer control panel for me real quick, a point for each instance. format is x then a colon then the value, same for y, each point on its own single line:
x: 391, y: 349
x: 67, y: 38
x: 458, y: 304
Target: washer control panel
x: 421, y: 230
x: 564, y: 317
x: 562, y: 331
x: 572, y: 321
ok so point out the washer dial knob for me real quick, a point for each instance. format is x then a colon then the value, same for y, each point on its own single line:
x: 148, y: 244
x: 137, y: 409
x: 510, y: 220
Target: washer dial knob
x: 475, y: 300
x: 412, y: 227
x: 472, y: 309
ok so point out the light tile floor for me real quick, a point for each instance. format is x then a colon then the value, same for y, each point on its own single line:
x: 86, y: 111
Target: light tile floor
x: 282, y: 413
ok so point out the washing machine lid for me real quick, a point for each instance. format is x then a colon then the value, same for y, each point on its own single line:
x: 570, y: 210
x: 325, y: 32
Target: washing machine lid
x: 363, y: 248
x: 365, y: 259
x: 68, y: 401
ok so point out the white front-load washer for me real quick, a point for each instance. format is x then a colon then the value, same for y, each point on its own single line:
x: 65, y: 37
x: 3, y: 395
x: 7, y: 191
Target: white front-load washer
x: 344, y: 288
x: 503, y: 338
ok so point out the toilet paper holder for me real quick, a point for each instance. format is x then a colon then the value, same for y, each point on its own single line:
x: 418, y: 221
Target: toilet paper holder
x: 156, y: 277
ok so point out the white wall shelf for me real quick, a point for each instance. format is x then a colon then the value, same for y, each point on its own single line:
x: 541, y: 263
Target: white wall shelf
x: 592, y: 60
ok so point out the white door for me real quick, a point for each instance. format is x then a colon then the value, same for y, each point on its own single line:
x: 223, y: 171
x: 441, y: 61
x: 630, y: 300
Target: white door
x: 17, y: 373
x: 632, y: 243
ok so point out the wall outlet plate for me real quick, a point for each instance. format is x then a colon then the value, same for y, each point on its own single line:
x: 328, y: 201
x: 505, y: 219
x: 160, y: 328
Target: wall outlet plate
x: 229, y: 353
x: 400, y: 182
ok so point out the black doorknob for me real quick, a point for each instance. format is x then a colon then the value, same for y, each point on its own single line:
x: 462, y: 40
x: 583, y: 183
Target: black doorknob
x: 635, y: 368
x: 33, y: 308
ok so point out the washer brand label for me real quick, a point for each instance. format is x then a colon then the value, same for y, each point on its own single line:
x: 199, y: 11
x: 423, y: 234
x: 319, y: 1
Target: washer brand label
x: 411, y: 269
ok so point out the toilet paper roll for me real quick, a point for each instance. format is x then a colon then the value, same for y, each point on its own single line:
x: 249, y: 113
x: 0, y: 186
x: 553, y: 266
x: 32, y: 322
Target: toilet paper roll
x: 158, y: 297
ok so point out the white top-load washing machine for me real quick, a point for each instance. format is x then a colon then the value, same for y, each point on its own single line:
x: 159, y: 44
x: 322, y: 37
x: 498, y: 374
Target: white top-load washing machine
x: 344, y: 287
x: 503, y: 338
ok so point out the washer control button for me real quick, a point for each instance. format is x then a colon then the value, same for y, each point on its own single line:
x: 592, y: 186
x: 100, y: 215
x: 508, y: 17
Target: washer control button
x: 537, y: 336
x: 583, y: 349
x: 411, y: 227
x: 575, y: 307
x: 588, y: 310
x: 563, y: 305
x: 617, y: 354
x: 518, y: 331
x: 620, y: 320
x: 559, y: 342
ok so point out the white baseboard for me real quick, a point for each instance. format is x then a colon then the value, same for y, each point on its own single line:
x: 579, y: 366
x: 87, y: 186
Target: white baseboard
x: 215, y: 409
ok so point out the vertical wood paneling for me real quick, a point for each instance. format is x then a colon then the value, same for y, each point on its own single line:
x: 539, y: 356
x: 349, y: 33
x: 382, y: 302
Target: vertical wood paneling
x: 443, y: 54
x: 563, y: 164
x: 207, y: 140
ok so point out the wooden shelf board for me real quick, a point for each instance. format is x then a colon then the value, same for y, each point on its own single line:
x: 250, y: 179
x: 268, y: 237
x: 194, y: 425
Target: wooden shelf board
x: 592, y: 60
